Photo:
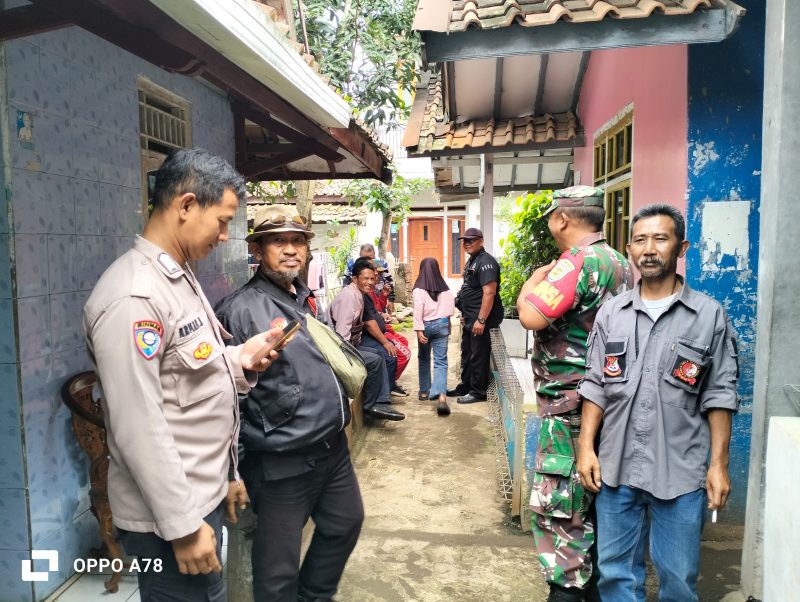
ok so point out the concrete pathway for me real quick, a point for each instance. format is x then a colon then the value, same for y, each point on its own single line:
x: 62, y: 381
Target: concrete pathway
x: 436, y: 528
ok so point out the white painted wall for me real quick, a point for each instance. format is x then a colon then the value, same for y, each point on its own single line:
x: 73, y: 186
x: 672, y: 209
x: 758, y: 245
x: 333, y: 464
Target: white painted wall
x: 781, y: 517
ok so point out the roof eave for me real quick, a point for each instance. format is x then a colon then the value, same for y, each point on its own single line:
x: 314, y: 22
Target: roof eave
x: 700, y: 27
x: 243, y: 34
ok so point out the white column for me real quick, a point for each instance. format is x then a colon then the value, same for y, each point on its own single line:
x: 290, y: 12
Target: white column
x: 487, y: 202
x: 778, y: 271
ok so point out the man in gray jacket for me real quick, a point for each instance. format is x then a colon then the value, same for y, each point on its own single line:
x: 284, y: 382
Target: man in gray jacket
x: 294, y: 455
x: 661, y: 375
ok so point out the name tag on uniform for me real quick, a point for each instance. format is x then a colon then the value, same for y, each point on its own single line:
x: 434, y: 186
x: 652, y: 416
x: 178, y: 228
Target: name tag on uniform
x: 190, y: 327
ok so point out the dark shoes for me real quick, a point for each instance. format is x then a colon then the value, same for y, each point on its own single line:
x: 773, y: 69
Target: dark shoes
x: 470, y: 398
x: 383, y: 411
x: 442, y: 409
x: 399, y: 391
x: 458, y: 391
x: 423, y: 396
x: 565, y: 594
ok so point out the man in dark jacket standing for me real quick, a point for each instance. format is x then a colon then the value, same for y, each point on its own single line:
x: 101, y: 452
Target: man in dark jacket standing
x: 481, y: 309
x: 294, y: 455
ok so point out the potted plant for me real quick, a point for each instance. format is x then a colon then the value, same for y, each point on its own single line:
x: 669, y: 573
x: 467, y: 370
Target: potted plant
x: 528, y: 246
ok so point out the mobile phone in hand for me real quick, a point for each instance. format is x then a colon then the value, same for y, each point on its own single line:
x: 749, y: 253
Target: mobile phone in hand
x: 278, y: 343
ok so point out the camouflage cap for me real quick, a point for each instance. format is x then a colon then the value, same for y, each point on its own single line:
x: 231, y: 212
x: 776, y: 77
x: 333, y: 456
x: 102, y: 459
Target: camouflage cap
x: 577, y: 196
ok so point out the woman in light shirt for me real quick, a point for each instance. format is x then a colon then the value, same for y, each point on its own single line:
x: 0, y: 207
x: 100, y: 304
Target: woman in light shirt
x: 433, y: 306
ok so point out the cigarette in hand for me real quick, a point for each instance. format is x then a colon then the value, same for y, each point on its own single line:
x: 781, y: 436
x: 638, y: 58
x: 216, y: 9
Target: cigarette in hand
x: 713, y: 516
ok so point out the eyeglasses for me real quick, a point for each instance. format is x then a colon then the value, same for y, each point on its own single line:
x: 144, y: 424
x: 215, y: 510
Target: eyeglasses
x: 278, y: 219
x: 469, y: 241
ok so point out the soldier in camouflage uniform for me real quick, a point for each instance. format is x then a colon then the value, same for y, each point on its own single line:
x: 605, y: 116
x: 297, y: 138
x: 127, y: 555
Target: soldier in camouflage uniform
x: 560, y: 302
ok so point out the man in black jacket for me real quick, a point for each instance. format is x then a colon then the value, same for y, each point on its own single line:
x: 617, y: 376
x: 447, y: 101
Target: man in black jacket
x: 481, y: 310
x: 293, y: 449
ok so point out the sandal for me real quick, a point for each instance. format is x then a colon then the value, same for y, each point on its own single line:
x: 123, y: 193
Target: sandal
x: 423, y: 396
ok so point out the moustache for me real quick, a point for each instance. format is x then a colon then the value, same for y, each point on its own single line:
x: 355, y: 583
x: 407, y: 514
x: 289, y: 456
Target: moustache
x: 652, y: 262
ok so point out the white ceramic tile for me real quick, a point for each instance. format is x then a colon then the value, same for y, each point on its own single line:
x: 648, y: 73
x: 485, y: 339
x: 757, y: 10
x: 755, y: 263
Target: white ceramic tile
x: 13, y: 519
x: 83, y: 95
x: 5, y: 267
x: 62, y: 259
x: 11, y: 462
x: 8, y: 350
x: 55, y: 143
x: 90, y: 588
x: 95, y: 254
x: 66, y: 320
x: 54, y: 81
x: 59, y: 197
x: 13, y: 588
x: 9, y: 399
x: 34, y: 327
x: 32, y: 271
x: 27, y: 195
x: 23, y: 74
x: 84, y: 157
x: 88, y: 219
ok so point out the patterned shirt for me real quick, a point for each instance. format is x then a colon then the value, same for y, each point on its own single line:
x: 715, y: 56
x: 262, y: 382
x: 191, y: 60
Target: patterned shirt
x: 584, y: 277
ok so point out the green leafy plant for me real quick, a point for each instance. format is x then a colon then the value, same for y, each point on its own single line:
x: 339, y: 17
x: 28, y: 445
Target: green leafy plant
x: 272, y: 192
x: 528, y: 246
x: 393, y: 201
x: 341, y: 254
x: 369, y: 51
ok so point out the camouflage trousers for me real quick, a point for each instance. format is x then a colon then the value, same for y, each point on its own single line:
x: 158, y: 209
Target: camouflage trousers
x: 562, y: 529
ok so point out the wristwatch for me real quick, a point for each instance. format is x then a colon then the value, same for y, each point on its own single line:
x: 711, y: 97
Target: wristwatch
x: 482, y: 320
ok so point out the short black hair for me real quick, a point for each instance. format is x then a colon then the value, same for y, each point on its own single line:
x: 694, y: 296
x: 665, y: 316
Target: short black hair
x: 199, y: 171
x: 361, y: 264
x: 662, y: 209
x: 595, y: 217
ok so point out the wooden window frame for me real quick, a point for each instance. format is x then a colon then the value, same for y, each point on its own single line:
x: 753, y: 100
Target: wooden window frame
x: 152, y: 158
x: 462, y: 220
x: 614, y: 174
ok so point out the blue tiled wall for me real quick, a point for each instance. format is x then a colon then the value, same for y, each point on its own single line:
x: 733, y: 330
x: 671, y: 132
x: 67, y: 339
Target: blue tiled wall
x: 75, y: 196
x: 726, y: 83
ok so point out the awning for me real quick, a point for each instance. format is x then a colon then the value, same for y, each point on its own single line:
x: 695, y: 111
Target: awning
x: 466, y: 29
x: 236, y: 46
x: 530, y: 152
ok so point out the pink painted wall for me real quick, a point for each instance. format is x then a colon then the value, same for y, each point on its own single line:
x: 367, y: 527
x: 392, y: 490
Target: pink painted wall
x: 655, y: 80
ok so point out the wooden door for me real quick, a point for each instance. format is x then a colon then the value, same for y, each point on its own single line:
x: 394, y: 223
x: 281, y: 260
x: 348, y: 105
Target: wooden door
x: 424, y: 240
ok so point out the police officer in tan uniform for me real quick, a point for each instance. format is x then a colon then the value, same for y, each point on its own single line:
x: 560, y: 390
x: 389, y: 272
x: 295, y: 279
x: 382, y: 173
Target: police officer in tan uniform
x: 170, y: 385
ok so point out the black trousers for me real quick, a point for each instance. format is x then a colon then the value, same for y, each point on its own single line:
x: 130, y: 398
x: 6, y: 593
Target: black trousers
x: 376, y: 387
x: 329, y: 494
x: 169, y: 585
x: 476, y: 352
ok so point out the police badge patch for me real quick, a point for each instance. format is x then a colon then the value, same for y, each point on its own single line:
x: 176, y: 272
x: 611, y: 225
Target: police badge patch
x: 203, y: 351
x: 147, y: 336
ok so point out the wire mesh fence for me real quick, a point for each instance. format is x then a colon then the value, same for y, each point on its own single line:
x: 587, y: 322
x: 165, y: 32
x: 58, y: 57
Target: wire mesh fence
x: 505, y: 394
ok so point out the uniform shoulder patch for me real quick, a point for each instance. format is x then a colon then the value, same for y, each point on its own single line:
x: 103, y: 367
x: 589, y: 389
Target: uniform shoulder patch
x: 147, y: 337
x: 555, y: 295
x: 561, y: 269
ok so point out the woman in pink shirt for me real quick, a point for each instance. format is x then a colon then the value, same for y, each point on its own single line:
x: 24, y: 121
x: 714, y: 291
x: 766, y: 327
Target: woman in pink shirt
x: 433, y: 306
